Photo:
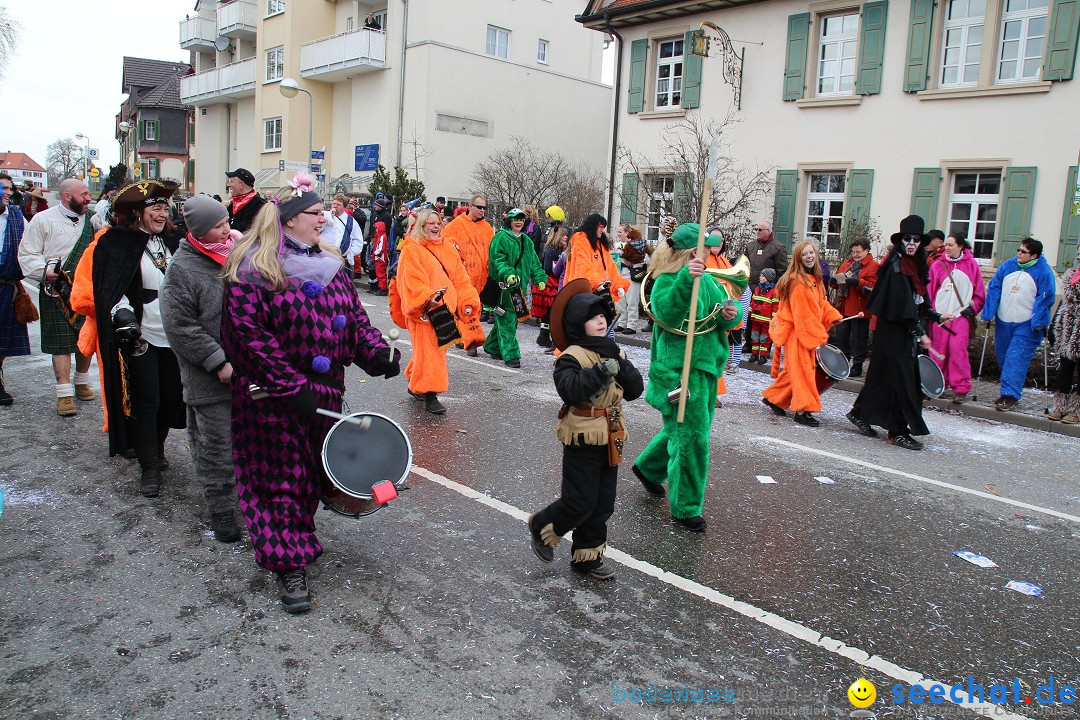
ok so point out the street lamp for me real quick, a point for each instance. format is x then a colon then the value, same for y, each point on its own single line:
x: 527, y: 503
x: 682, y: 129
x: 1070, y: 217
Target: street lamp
x: 124, y: 127
x: 85, y: 158
x: 289, y: 88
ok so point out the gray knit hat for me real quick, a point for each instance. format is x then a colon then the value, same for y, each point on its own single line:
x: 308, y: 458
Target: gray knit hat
x: 202, y: 213
x: 770, y: 274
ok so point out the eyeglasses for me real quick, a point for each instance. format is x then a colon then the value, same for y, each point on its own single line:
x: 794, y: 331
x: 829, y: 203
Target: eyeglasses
x: 480, y: 207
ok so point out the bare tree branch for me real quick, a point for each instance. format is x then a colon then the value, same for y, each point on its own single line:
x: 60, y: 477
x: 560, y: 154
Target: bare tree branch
x: 63, y: 159
x: 9, y: 38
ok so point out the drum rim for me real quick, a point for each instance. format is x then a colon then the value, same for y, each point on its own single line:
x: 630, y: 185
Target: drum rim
x: 817, y: 359
x: 352, y: 493
x: 941, y: 374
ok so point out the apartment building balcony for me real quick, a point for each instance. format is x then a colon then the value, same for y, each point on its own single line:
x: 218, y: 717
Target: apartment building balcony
x: 198, y: 34
x: 222, y: 84
x: 237, y: 19
x: 338, y: 57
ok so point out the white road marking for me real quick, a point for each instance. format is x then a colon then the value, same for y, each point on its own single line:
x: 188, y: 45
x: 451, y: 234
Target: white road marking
x: 788, y: 627
x: 457, y: 356
x: 920, y: 478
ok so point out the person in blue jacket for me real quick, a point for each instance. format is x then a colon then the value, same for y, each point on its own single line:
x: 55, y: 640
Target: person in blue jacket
x: 1020, y: 296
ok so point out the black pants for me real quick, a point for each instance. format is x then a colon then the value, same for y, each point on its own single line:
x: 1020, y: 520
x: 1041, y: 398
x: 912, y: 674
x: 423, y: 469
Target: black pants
x: 851, y: 338
x: 1067, y: 369
x: 157, y: 400
x: 588, y: 498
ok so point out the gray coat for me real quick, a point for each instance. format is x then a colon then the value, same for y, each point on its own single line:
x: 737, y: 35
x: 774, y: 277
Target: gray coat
x: 771, y: 254
x: 191, y: 299
x: 1067, y: 323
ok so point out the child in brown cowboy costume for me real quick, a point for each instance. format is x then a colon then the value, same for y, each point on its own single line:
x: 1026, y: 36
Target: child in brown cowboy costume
x: 592, y: 376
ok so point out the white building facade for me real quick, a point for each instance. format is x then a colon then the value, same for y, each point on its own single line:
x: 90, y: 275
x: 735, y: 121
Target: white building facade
x: 961, y: 111
x: 438, y: 87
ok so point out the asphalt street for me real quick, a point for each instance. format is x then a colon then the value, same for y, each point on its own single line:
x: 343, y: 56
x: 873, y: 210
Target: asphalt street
x: 117, y: 606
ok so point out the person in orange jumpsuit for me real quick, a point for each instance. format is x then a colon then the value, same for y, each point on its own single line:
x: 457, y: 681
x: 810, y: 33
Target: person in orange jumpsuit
x: 589, y: 254
x: 715, y: 258
x: 429, y: 263
x: 801, y: 324
x: 471, y: 235
x: 82, y: 302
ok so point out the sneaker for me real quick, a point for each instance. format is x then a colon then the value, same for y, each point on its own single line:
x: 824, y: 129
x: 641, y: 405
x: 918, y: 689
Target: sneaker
x: 603, y: 571
x: 542, y: 550
x: 732, y: 370
x: 224, y: 526
x: 1005, y: 403
x: 947, y: 394
x: 432, y: 404
x: 620, y: 329
x: 653, y: 488
x: 513, y: 363
x: 84, y: 392
x: 416, y: 396
x: 959, y: 398
x: 864, y: 427
x: 805, y: 418
x: 65, y: 407
x: 696, y: 523
x: 777, y: 410
x: 292, y: 585
x: 905, y: 441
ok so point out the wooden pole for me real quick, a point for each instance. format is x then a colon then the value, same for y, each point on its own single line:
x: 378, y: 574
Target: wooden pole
x: 706, y: 191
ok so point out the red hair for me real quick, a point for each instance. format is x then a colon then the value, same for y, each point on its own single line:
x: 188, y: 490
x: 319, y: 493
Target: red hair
x: 797, y: 272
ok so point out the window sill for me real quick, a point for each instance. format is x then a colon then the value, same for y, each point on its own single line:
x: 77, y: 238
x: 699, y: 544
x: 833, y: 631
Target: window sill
x: 275, y: 14
x: 271, y: 82
x: 985, y: 91
x: 662, y: 114
x: 838, y: 101
x: 267, y: 152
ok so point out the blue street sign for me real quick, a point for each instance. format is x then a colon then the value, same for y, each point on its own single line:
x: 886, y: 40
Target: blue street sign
x: 315, y: 168
x: 367, y: 158
x: 320, y: 177
x: 318, y: 154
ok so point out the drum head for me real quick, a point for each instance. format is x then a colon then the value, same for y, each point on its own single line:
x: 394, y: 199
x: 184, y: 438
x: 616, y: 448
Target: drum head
x: 357, y: 457
x: 833, y: 363
x: 930, y: 377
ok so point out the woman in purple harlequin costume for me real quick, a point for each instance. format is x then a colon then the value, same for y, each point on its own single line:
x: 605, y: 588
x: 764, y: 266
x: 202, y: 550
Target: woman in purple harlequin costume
x: 290, y: 324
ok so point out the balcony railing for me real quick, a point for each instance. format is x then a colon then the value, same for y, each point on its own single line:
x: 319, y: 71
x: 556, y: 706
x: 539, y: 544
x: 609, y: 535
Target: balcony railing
x: 237, y: 19
x: 221, y: 84
x: 340, y: 56
x: 198, y: 34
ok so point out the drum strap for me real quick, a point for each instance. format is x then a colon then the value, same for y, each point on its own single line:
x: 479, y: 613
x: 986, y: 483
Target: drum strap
x: 448, y: 280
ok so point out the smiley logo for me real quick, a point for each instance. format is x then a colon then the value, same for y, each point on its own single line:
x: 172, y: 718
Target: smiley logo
x: 862, y: 693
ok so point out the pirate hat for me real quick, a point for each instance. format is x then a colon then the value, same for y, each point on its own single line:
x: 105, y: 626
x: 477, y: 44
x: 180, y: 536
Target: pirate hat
x: 141, y: 194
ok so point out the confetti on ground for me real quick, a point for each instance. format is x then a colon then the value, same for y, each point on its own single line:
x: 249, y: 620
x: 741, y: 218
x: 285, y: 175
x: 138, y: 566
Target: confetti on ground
x: 992, y: 490
x: 825, y: 480
x: 766, y: 480
x: 1033, y: 527
x: 1024, y: 587
x: 974, y: 559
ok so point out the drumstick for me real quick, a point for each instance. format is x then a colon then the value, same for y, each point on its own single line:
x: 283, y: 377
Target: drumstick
x: 936, y: 354
x: 393, y: 334
x: 257, y: 393
x: 853, y: 317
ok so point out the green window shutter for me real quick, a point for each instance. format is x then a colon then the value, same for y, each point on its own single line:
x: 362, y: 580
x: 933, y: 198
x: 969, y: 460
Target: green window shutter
x: 798, y: 38
x: 691, y: 75
x: 142, y: 129
x: 684, y: 197
x: 1061, y: 40
x: 191, y: 171
x: 860, y: 184
x: 639, y: 53
x: 871, y: 47
x: 1014, y: 215
x: 787, y: 182
x: 191, y: 132
x: 629, y: 201
x: 1070, y: 224
x: 925, y: 186
x: 918, y: 45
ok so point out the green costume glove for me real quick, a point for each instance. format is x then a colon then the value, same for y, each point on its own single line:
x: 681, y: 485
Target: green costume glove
x: 511, y: 279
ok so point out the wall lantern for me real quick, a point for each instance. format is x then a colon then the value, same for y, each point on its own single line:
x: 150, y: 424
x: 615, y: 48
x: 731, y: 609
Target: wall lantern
x: 733, y: 62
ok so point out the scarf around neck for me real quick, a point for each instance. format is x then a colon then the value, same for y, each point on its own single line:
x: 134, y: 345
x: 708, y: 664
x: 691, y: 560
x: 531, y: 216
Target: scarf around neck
x: 1027, y: 265
x: 217, y: 251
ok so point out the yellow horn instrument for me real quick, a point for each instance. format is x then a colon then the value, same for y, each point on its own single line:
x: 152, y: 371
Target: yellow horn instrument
x: 737, y: 275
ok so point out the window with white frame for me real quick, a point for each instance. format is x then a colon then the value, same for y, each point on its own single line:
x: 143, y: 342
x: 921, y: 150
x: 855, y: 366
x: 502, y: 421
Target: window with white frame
x: 272, y: 134
x: 973, y: 208
x: 837, y: 45
x: 659, y: 203
x: 1023, y: 40
x: 348, y: 24
x: 542, y: 52
x: 273, y: 7
x: 669, y: 70
x: 380, y: 17
x: 962, y: 43
x: 150, y: 130
x: 275, y: 64
x: 151, y: 168
x: 498, y: 42
x: 825, y: 210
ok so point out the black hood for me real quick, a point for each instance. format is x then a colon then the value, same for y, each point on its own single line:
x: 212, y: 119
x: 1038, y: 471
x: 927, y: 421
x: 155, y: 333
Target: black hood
x: 579, y: 310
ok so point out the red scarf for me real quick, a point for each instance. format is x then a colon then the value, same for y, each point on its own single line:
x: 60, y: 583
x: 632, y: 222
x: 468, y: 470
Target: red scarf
x: 910, y: 268
x: 218, y: 252
x: 240, y: 201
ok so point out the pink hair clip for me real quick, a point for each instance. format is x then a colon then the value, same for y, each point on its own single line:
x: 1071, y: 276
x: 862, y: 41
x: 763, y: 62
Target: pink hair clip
x: 301, y: 183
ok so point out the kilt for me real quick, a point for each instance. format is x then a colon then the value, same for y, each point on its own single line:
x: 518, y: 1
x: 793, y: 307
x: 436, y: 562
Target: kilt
x: 58, y: 337
x: 14, y: 340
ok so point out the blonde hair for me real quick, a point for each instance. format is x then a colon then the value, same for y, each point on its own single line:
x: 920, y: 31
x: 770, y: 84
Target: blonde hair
x: 553, y: 240
x: 797, y: 272
x: 418, y: 230
x: 530, y: 212
x: 667, y: 259
x: 263, y: 242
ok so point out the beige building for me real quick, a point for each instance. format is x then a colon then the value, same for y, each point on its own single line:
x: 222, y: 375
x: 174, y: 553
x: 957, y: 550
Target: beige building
x: 962, y: 111
x: 436, y: 87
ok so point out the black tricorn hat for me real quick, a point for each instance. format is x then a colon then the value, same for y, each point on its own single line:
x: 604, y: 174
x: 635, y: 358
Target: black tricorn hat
x: 141, y: 194
x: 912, y: 225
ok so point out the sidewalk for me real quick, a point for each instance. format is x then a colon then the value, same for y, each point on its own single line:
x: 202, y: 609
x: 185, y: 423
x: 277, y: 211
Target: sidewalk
x: 1029, y: 413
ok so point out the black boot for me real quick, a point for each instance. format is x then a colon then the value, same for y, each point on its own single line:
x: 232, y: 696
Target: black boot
x: 163, y: 462
x: 856, y: 370
x: 432, y: 404
x: 150, y: 462
x: 544, y: 338
x: 5, y: 396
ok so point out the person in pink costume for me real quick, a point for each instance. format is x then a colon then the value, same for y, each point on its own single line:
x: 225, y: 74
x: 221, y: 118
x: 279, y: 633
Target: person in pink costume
x: 957, y: 292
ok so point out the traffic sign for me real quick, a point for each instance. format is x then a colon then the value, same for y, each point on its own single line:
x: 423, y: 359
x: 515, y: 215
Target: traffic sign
x: 315, y: 168
x: 318, y: 154
x: 292, y: 166
x: 321, y: 177
x: 138, y: 171
x: 94, y: 172
x: 94, y: 154
x: 367, y: 158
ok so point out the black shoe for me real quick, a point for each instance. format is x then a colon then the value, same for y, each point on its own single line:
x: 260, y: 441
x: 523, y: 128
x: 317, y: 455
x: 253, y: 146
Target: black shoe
x: 416, y: 396
x: 603, y: 571
x: 864, y: 427
x: 905, y: 441
x: 513, y: 363
x: 224, y: 526
x: 629, y: 331
x: 777, y: 410
x: 856, y: 370
x: 485, y: 316
x: 163, y: 462
x: 540, y: 548
x: 496, y: 356
x: 653, y: 488
x: 805, y: 418
x: 295, y: 597
x: 432, y: 404
x: 544, y: 338
x: 5, y: 396
x: 620, y: 329
x: 1005, y: 403
x: 697, y: 523
x: 149, y: 462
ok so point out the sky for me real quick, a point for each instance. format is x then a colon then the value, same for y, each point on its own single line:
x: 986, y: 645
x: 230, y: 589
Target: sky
x: 66, y: 71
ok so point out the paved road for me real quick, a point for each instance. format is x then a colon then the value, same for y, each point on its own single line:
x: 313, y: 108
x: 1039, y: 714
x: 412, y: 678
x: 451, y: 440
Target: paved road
x: 114, y: 605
